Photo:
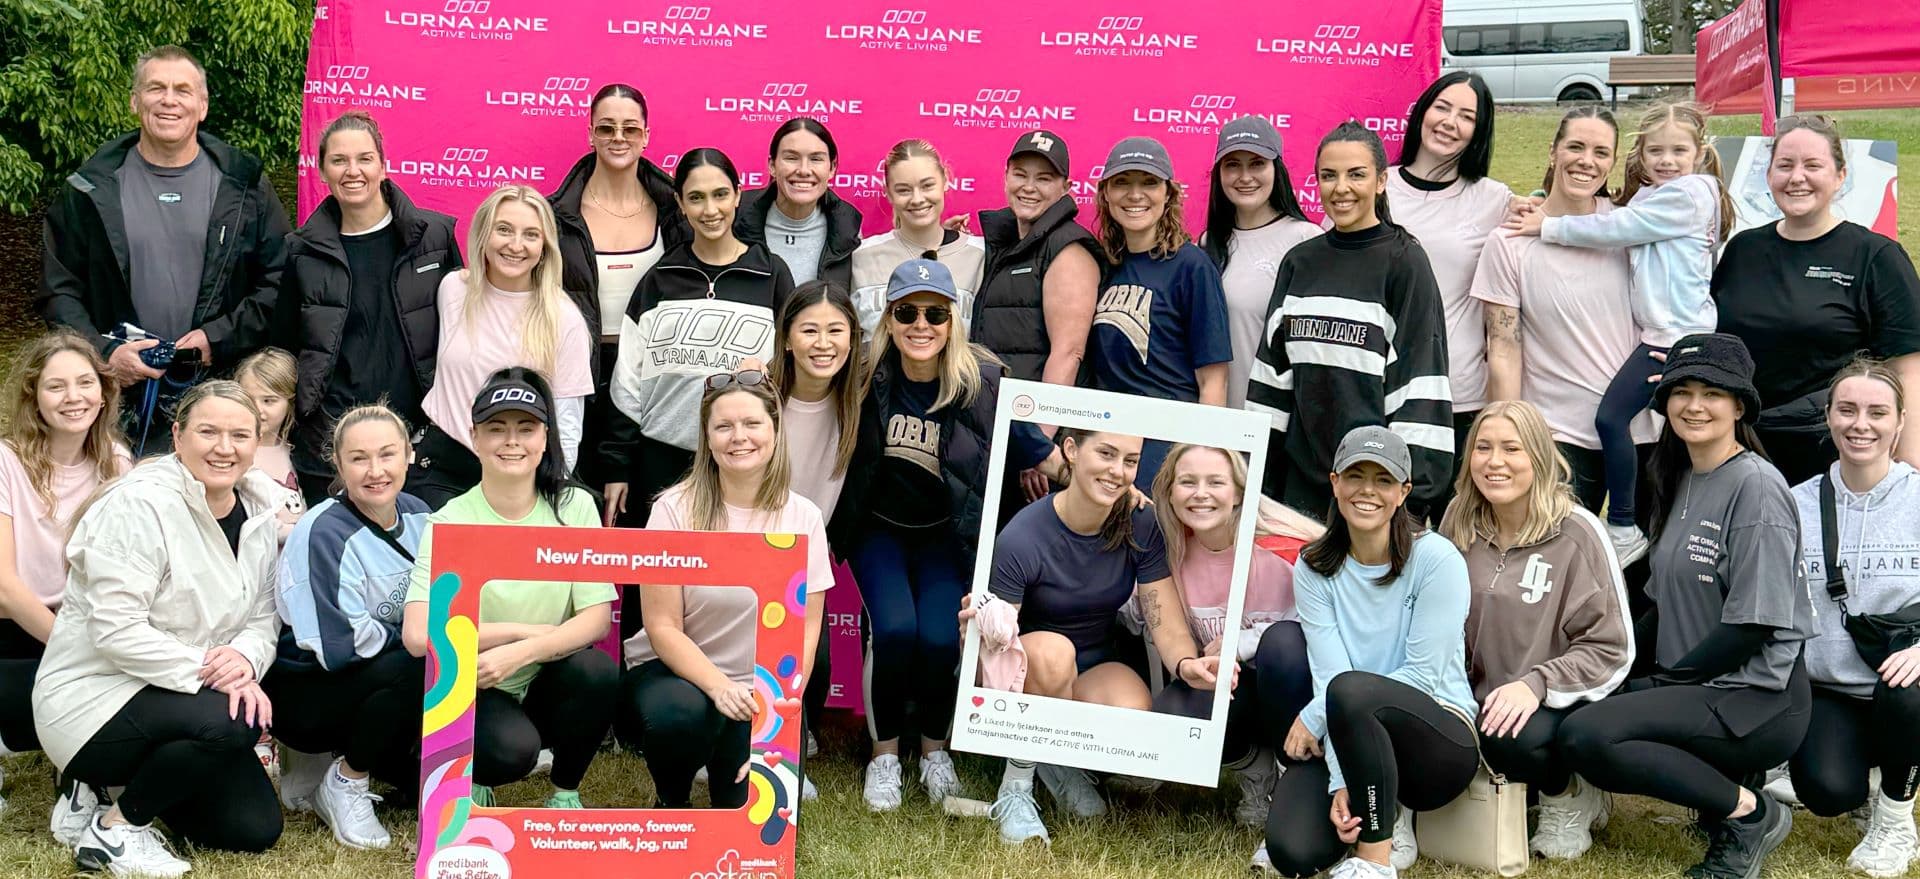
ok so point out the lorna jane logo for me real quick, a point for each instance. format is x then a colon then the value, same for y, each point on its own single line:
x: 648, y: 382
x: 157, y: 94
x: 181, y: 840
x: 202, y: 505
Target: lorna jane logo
x: 689, y: 26
x: 558, y: 96
x: 874, y: 183
x: 903, y: 30
x: 998, y: 108
x: 466, y: 20
x: 513, y: 395
x: 779, y: 101
x: 1340, y: 44
x: 467, y: 167
x: 1204, y: 114
x: 1121, y: 36
x: 355, y: 85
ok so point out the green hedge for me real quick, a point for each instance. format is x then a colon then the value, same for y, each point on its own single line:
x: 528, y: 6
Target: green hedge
x: 66, y: 68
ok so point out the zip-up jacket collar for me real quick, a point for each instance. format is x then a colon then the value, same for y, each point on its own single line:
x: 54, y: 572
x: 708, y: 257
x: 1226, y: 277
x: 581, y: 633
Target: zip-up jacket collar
x: 321, y: 233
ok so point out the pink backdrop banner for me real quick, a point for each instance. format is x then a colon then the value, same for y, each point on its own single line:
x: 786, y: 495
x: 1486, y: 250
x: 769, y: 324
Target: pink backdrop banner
x: 473, y: 94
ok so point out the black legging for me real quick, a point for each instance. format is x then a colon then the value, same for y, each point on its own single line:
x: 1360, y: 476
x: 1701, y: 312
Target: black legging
x: 1846, y: 737
x: 1272, y: 690
x: 358, y: 712
x: 1672, y: 743
x: 656, y: 467
x: 568, y: 709
x: 1535, y: 757
x: 1397, y: 747
x: 680, y: 731
x: 19, y: 663
x: 183, y: 760
x: 912, y: 585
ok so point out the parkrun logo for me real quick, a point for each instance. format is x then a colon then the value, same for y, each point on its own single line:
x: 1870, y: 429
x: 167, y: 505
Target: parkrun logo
x: 691, y: 26
x: 558, y: 96
x: 1120, y: 36
x: 780, y: 101
x: 732, y: 866
x: 1335, y: 44
x: 904, y: 30
x: 1204, y: 114
x: 349, y: 85
x: 467, y: 168
x: 998, y: 109
x: 467, y: 20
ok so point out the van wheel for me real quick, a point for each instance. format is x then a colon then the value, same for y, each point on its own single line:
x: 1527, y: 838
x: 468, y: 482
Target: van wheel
x: 1579, y: 94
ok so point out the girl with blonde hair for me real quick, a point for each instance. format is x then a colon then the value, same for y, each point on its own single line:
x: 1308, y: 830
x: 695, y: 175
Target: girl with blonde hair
x: 916, y: 179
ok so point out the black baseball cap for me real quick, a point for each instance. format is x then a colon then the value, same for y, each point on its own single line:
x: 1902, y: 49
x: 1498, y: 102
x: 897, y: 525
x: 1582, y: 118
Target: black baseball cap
x: 1044, y: 144
x: 509, y: 395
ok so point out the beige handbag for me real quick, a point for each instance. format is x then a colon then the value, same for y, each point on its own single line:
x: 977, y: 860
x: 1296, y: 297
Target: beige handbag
x: 1484, y: 828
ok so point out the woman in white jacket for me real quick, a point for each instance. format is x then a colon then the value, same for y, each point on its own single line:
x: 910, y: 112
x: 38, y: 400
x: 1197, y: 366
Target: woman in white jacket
x: 151, y: 675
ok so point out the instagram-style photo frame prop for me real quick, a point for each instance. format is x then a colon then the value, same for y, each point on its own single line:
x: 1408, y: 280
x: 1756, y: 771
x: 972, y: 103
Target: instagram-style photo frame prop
x: 458, y: 839
x: 1100, y: 737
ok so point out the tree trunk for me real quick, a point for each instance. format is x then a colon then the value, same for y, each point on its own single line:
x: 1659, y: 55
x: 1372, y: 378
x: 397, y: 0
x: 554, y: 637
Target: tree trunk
x: 1681, y: 42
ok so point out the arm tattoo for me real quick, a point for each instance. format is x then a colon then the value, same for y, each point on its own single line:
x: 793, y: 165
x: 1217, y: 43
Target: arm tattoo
x: 1150, y: 607
x: 1503, y: 322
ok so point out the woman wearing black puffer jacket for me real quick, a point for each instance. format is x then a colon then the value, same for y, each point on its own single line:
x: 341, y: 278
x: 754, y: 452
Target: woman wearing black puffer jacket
x: 362, y: 273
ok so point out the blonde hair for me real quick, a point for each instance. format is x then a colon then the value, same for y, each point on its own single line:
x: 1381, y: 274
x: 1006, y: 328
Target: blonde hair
x: 1268, y: 521
x: 218, y: 389
x: 1169, y: 235
x: 30, y: 437
x: 358, y: 415
x: 706, y: 511
x: 914, y: 148
x: 276, y: 371
x: 540, y: 334
x: 1692, y: 120
x: 960, y: 360
x: 1550, y: 500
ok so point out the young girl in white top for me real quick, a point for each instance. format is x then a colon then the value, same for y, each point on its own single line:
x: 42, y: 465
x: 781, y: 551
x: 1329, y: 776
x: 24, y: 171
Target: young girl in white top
x: 1674, y: 215
x: 917, y: 188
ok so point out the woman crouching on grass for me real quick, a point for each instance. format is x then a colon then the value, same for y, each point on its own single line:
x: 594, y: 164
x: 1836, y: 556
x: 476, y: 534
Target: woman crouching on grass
x: 687, y: 695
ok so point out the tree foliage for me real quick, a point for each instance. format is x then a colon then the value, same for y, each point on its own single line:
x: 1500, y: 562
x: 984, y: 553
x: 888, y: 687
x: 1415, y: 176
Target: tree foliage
x: 66, y: 74
x: 1659, y: 20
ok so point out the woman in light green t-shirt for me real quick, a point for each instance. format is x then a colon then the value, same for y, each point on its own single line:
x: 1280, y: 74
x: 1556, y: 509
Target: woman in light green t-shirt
x: 541, y: 685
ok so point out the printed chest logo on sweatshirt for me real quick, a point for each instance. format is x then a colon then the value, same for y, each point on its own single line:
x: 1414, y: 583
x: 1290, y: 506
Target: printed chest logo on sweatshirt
x: 169, y: 197
x: 1129, y: 309
x: 1534, y: 584
x: 915, y: 439
x: 705, y: 335
x: 1322, y: 329
x: 1703, y: 547
x: 1829, y: 273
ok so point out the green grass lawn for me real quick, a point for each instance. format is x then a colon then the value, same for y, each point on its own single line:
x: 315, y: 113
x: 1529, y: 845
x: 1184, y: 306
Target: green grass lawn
x: 1178, y: 833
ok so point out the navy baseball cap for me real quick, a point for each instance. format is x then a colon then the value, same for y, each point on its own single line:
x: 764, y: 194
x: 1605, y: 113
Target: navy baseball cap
x: 920, y: 276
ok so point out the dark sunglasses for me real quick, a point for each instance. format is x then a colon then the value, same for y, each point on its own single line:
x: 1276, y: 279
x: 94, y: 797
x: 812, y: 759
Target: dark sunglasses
x: 906, y: 313
x: 745, y: 378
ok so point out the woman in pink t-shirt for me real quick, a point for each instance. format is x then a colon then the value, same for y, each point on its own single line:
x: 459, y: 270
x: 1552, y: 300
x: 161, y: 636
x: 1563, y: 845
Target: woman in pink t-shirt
x: 687, y: 696
x: 505, y: 310
x: 60, y: 444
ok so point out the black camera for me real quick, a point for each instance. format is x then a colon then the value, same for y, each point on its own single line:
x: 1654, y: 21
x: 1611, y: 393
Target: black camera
x: 165, y: 356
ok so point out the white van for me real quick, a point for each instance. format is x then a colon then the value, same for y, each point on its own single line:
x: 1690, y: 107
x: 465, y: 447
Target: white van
x: 1540, y: 51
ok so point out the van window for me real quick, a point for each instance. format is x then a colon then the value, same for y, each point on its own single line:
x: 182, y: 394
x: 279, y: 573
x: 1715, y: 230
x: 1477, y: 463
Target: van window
x: 1559, y: 37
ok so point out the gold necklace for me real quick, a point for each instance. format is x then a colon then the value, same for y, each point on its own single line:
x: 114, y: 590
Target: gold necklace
x: 641, y: 206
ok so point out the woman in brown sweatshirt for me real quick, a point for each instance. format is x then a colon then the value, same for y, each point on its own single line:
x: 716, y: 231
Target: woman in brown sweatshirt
x: 1547, y: 628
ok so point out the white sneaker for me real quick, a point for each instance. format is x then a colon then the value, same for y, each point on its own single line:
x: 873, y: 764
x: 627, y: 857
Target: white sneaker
x: 1073, y: 790
x: 127, y: 851
x: 1406, y: 847
x: 1629, y: 543
x: 543, y: 763
x: 346, y: 805
x: 1863, y: 816
x: 883, y: 783
x: 1262, y: 861
x: 1565, y: 829
x: 938, y: 776
x: 73, y: 810
x: 1256, y: 790
x: 813, y: 745
x: 300, y: 775
x: 808, y: 793
x: 1016, y: 814
x: 1361, y: 868
x: 1889, y: 846
x: 269, y: 759
x: 700, y: 775
x: 1780, y: 786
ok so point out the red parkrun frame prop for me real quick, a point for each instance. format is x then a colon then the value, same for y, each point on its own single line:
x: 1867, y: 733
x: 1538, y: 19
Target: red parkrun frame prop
x: 461, y: 841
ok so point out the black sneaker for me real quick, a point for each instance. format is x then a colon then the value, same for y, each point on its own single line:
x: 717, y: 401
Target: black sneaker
x: 1739, y: 849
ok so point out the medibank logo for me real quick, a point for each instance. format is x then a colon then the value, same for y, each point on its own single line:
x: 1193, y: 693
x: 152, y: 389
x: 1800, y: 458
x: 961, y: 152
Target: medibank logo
x: 465, y: 20
x: 903, y: 30
x: 998, y: 108
x: 1121, y: 36
x: 356, y: 85
x: 558, y: 96
x: 467, y: 167
x: 780, y: 101
x: 1342, y: 44
x: 680, y: 25
x: 1204, y: 114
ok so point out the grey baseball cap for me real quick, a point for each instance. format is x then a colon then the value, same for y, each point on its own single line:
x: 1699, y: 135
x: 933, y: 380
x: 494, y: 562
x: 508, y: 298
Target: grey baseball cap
x: 1253, y: 134
x: 1139, y: 154
x: 1377, y: 444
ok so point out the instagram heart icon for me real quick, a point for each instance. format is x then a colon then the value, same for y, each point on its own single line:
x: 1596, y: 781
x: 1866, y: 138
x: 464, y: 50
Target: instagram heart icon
x: 979, y: 701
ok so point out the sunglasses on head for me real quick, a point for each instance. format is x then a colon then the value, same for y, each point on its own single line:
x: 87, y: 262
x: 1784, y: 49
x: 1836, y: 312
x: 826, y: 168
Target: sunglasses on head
x: 906, y: 313
x: 745, y: 378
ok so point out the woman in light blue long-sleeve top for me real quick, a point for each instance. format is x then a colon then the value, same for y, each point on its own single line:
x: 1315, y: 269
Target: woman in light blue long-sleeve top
x: 1383, y: 604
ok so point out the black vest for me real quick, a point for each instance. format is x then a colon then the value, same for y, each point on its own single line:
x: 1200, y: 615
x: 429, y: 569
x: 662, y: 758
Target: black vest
x: 1007, y: 315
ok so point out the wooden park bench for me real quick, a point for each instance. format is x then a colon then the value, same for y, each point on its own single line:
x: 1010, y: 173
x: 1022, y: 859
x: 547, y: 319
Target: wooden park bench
x: 1645, y: 70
